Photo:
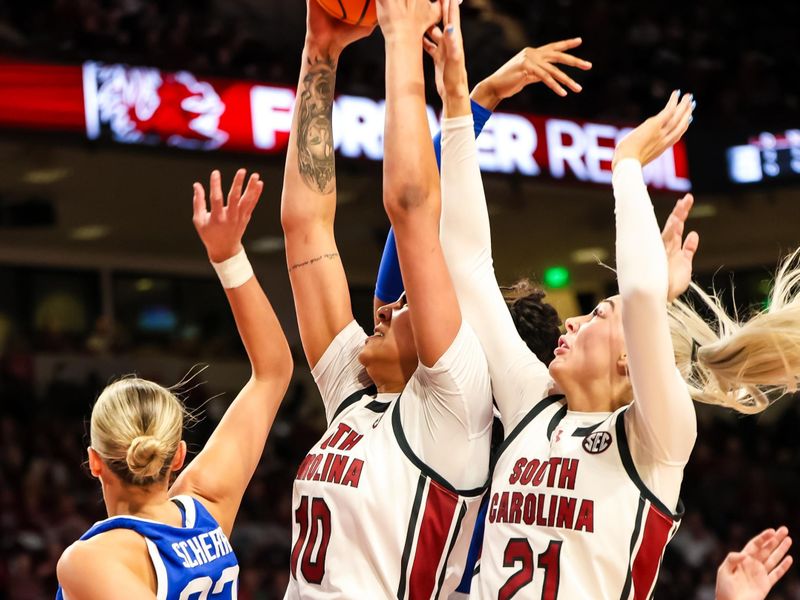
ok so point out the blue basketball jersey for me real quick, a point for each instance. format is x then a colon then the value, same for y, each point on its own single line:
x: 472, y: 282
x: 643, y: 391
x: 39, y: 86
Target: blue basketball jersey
x: 191, y: 562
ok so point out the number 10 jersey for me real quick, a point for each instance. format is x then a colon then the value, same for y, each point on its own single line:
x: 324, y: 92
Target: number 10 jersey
x: 371, y: 520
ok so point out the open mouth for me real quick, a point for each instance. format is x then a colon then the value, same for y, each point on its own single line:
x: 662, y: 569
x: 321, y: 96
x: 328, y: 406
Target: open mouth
x: 562, y: 347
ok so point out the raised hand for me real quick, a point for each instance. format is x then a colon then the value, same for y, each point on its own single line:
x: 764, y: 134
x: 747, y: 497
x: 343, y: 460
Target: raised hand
x: 751, y: 574
x: 221, y: 228
x: 532, y: 65
x: 650, y: 139
x: 325, y: 31
x: 680, y: 251
x: 407, y: 17
x: 447, y: 50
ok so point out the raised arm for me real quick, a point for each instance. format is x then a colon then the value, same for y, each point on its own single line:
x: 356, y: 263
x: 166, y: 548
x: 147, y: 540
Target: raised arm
x: 411, y: 182
x: 221, y: 472
x: 389, y: 286
x: 518, y: 377
x: 308, y: 204
x: 662, y: 415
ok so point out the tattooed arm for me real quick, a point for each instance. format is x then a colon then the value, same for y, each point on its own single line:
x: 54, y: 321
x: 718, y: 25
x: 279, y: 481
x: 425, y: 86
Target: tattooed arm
x: 308, y: 205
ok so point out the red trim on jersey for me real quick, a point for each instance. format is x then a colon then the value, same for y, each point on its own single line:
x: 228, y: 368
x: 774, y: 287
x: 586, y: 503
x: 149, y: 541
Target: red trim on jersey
x: 440, y: 509
x: 654, y: 540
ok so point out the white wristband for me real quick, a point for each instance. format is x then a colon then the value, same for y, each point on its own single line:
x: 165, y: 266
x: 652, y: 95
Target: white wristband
x: 234, y: 272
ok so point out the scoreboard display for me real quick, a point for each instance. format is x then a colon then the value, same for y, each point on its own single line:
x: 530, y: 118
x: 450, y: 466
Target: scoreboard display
x: 767, y: 157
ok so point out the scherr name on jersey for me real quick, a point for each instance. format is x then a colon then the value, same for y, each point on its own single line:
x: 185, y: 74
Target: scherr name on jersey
x: 334, y: 467
x: 543, y: 508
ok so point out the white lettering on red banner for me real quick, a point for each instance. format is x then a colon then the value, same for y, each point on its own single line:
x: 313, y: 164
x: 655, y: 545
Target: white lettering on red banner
x: 135, y: 105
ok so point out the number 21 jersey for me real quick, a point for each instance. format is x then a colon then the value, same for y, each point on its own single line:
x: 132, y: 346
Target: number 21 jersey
x: 568, y: 515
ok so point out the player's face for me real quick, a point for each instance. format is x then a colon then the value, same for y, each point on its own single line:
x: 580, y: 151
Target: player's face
x: 592, y: 346
x: 391, y: 352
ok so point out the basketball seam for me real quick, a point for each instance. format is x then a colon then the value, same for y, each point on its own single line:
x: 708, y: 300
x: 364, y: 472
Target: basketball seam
x: 344, y: 12
x: 363, y: 12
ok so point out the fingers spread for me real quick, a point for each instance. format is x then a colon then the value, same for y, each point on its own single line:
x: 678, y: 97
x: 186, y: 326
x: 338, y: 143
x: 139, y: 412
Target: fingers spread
x: 564, y: 78
x: 546, y: 75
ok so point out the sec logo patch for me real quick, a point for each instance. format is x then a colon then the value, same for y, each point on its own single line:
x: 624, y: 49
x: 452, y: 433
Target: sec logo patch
x: 597, y: 442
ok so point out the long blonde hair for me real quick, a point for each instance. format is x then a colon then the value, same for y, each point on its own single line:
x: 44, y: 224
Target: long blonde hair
x: 744, y: 365
x: 136, y: 429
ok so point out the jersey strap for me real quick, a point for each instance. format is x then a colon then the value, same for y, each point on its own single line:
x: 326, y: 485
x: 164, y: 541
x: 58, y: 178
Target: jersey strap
x: 538, y: 408
x: 433, y: 529
x: 630, y: 469
x: 654, y: 527
x: 353, y: 398
x: 427, y: 471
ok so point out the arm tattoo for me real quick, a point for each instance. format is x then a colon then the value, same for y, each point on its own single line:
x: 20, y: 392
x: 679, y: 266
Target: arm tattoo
x: 315, y: 157
x: 311, y: 261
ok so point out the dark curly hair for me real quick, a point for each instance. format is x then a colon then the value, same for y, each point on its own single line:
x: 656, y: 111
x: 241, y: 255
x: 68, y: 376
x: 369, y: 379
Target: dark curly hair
x: 536, y: 321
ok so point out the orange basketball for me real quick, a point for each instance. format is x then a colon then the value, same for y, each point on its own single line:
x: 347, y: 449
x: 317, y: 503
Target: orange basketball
x: 355, y: 12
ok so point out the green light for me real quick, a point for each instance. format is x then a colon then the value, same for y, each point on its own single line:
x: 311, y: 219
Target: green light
x: 556, y: 277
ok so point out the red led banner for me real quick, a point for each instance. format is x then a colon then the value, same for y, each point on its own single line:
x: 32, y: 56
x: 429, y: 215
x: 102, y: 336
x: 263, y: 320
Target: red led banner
x: 139, y: 105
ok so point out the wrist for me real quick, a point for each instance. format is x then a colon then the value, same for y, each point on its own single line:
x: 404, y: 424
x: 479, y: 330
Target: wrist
x: 486, y: 95
x: 220, y: 255
x: 402, y: 35
x: 233, y: 271
x: 322, y: 45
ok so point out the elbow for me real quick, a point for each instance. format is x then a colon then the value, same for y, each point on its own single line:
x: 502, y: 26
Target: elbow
x: 295, y: 217
x: 404, y: 200
x: 277, y: 370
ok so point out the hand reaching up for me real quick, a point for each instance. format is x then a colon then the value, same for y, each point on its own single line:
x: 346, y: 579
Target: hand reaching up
x: 221, y: 228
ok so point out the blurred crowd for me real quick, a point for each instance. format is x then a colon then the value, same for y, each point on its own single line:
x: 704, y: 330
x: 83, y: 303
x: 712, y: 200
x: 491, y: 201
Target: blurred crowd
x: 735, y: 57
x: 743, y: 477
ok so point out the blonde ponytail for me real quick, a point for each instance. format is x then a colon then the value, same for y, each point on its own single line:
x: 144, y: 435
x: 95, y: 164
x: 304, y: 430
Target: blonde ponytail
x: 742, y: 365
x: 136, y: 428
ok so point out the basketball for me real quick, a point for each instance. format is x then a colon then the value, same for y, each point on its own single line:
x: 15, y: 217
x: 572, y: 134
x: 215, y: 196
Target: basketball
x: 355, y: 12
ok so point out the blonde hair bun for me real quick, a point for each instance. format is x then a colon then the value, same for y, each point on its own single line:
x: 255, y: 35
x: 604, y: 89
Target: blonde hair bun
x: 145, y: 457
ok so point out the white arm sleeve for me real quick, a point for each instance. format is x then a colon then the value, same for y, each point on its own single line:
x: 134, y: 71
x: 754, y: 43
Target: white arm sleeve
x: 661, y: 423
x: 338, y: 373
x: 519, y: 379
x: 446, y: 412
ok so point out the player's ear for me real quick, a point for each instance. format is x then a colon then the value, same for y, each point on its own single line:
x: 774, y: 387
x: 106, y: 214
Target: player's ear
x: 95, y: 462
x: 179, y: 458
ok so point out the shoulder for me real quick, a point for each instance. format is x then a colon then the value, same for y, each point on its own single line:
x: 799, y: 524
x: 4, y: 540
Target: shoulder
x: 120, y: 549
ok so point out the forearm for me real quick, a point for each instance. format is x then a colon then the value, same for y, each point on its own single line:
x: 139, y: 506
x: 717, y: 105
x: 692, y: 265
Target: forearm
x: 518, y: 377
x: 309, y: 186
x: 409, y: 167
x: 485, y: 95
x: 390, y: 285
x: 260, y: 331
x: 663, y: 412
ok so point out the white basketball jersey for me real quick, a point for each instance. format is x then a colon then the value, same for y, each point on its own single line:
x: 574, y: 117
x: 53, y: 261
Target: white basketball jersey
x: 372, y: 521
x: 569, y: 517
